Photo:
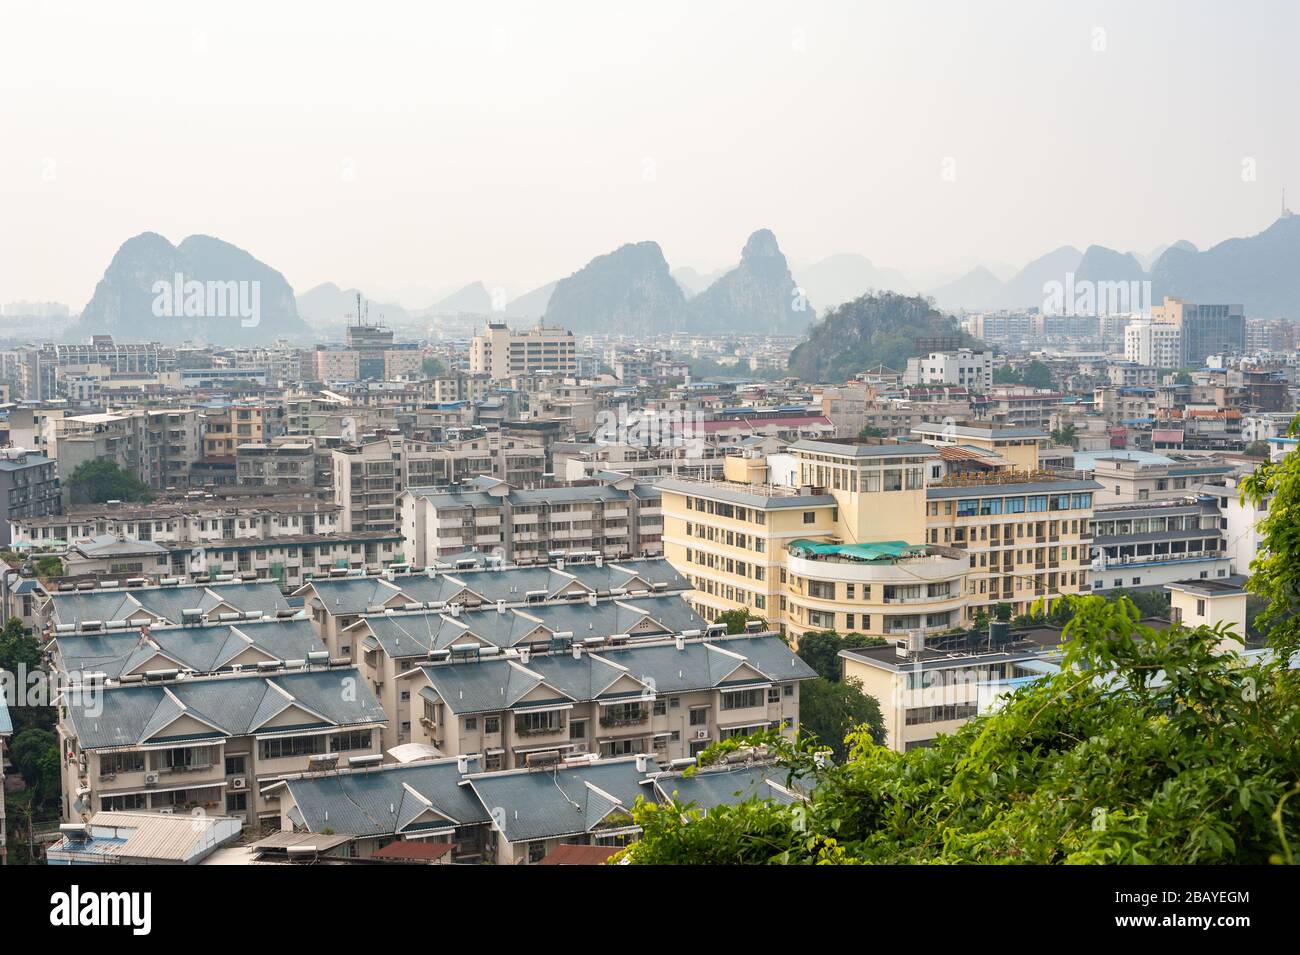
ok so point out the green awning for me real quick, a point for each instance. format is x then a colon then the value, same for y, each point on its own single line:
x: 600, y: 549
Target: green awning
x: 878, y: 550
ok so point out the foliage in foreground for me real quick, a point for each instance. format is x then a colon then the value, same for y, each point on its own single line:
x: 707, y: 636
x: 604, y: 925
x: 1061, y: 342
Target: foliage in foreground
x: 1148, y: 747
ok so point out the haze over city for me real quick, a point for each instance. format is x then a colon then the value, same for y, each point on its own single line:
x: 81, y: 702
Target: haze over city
x: 409, y: 150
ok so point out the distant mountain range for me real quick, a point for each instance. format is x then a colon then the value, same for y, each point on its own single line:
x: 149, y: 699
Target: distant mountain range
x: 1260, y: 272
x: 327, y: 304
x: 631, y: 291
x: 203, y: 290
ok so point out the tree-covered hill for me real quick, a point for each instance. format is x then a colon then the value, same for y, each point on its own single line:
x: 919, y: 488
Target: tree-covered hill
x: 880, y: 328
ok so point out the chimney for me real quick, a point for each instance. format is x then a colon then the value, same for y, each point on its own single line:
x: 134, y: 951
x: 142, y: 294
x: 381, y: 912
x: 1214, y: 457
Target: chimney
x: 462, y: 764
x: 525, y: 655
x: 591, y: 599
x: 642, y: 763
x: 577, y: 652
x: 681, y: 642
x: 501, y: 606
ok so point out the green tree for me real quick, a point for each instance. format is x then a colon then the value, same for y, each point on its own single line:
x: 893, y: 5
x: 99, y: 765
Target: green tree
x: 1184, y: 377
x: 1257, y: 449
x: 830, y: 711
x: 432, y: 367
x: 1037, y: 375
x: 30, y: 753
x: 1066, y: 435
x: 871, y: 431
x: 736, y: 620
x: 1184, y: 756
x: 101, y: 480
x: 820, y: 649
x: 49, y: 566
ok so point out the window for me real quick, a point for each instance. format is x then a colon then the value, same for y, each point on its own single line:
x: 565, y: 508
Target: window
x: 809, y: 517
x: 491, y: 724
x: 661, y: 707
x: 536, y: 852
x: 699, y: 716
x: 787, y: 689
x: 471, y: 724
x: 1200, y: 608
x: 236, y: 802
x: 742, y: 699
x: 774, y: 694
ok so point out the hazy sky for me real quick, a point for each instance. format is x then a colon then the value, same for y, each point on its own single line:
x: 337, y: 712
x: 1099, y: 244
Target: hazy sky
x: 409, y: 147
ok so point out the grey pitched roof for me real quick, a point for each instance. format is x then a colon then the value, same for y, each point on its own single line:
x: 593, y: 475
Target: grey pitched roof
x: 387, y: 800
x: 232, y: 705
x: 110, y: 545
x: 165, y: 603
x: 564, y: 801
x: 728, y: 785
x: 201, y: 649
x: 496, y: 684
x: 354, y: 595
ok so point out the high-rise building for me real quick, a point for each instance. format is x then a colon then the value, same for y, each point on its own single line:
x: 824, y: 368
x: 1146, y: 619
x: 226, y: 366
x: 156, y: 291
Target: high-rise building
x: 1153, y: 344
x: 1206, y: 329
x: 501, y: 352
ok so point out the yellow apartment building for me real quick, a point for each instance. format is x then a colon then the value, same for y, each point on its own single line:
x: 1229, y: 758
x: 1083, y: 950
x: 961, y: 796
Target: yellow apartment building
x: 1027, y: 531
x: 837, y: 540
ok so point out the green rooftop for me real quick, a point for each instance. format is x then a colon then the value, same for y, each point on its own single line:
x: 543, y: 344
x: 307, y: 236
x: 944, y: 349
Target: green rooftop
x: 878, y: 550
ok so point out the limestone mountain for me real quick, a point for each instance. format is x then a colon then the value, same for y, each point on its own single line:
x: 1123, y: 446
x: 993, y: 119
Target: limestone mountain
x: 327, y: 304
x: 845, y: 276
x: 875, y: 329
x: 759, y: 296
x: 1026, y: 289
x: 627, y: 291
x: 206, y: 290
x: 977, y: 289
x: 1261, y: 272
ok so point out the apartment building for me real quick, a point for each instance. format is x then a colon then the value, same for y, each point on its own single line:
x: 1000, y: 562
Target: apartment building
x: 368, y: 478
x: 259, y: 539
x: 389, y: 644
x: 1147, y: 546
x: 582, y: 461
x: 501, y: 352
x: 212, y: 743
x: 932, y: 685
x: 29, y: 489
x: 964, y: 368
x: 88, y: 608
x: 671, y: 698
x: 1205, y: 329
x: 423, y: 805
x: 1025, y: 530
x: 157, y: 446
x: 288, y: 465
x: 616, y: 518
x: 1126, y: 479
x: 839, y: 544
x: 1154, y: 344
x: 1026, y: 536
x: 38, y: 368
x: 338, y: 601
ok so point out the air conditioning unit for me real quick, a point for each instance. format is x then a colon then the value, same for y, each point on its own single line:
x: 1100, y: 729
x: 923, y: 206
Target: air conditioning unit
x: 167, y: 810
x: 701, y: 734
x: 151, y: 779
x: 239, y: 782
